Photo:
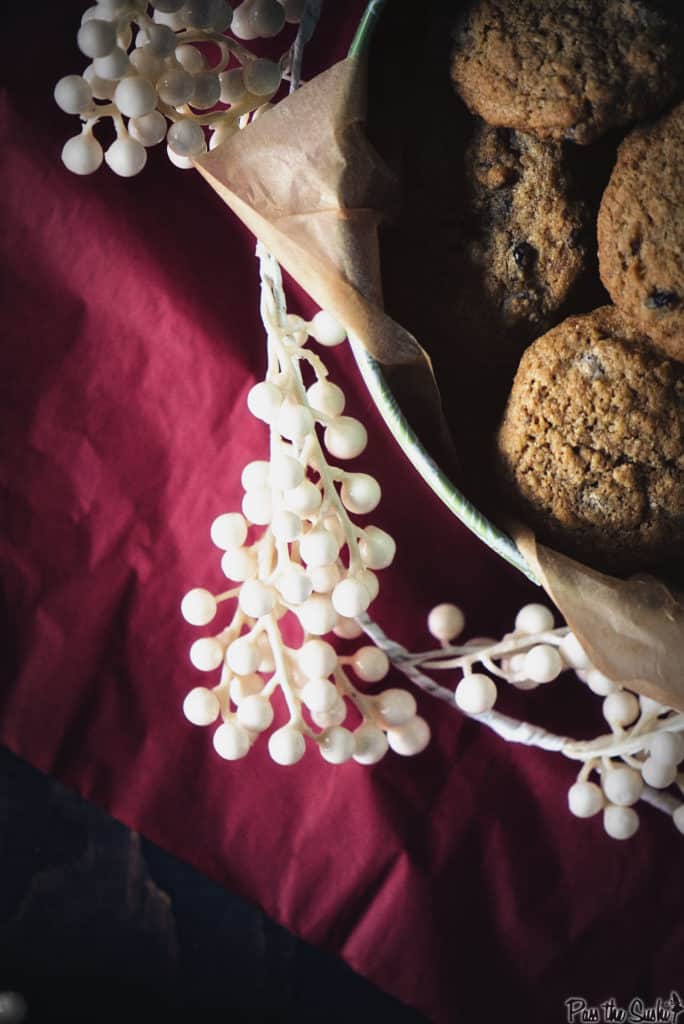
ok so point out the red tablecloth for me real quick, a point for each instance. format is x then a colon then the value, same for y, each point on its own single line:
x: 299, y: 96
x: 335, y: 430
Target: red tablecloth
x: 455, y: 880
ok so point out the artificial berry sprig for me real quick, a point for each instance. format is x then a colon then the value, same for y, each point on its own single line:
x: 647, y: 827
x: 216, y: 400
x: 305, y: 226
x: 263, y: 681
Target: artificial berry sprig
x: 150, y: 74
x: 295, y: 550
x: 639, y: 760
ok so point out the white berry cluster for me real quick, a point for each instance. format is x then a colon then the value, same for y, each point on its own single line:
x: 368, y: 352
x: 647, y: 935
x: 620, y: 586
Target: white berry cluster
x: 293, y: 549
x: 641, y: 759
x: 532, y: 654
x: 167, y: 71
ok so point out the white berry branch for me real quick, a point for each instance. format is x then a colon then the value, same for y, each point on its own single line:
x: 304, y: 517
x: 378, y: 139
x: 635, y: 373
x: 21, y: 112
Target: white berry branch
x: 150, y: 75
x: 295, y: 550
x: 638, y: 759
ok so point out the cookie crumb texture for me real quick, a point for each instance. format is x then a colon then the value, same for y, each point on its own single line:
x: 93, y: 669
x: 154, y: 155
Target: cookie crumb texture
x: 641, y: 230
x: 525, y: 244
x: 592, y: 444
x: 567, y: 69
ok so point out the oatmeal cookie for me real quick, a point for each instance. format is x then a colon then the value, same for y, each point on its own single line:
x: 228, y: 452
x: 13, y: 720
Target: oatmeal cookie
x: 641, y: 230
x: 524, y: 246
x: 592, y: 443
x: 567, y: 69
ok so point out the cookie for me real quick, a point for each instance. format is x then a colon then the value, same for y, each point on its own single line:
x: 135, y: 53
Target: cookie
x: 567, y: 69
x: 592, y: 443
x: 641, y: 230
x: 524, y: 246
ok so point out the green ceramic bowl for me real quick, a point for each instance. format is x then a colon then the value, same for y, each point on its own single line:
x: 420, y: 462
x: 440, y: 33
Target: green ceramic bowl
x: 380, y: 391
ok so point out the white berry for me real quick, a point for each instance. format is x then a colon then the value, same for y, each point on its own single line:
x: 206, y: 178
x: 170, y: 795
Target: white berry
x: 256, y: 599
x: 598, y: 683
x: 96, y: 38
x: 620, y: 822
x: 573, y: 652
x: 286, y: 526
x: 585, y: 799
x: 286, y: 746
x: 350, y: 598
x: 190, y: 58
x: 286, y: 471
x: 232, y: 86
x: 360, y: 493
x: 377, y: 548
x: 206, y: 654
x: 659, y: 774
x: 326, y: 330
x: 319, y: 694
x: 262, y: 77
x: 231, y: 741
x: 396, y: 707
x: 126, y: 157
x: 294, y: 421
x: 317, y: 615
x: 82, y: 154
x: 318, y: 547
x: 135, y: 96
x: 186, y: 138
x: 242, y: 687
x: 333, y: 716
x: 206, y: 92
x: 229, y: 530
x: 411, y: 738
x: 623, y: 785
x: 112, y: 66
x: 243, y: 656
x: 337, y: 745
x: 255, y: 713
x: 324, y: 577
x: 294, y: 585
x: 533, y: 618
x: 620, y: 709
x: 348, y: 629
x: 73, y: 94
x: 201, y: 706
x: 345, y: 437
x: 446, y: 622
x: 256, y: 474
x: 239, y: 564
x: 370, y: 744
x: 198, y: 607
x: 257, y: 507
x: 542, y: 663
x: 175, y: 87
x: 304, y: 499
x: 148, y: 130
x: 476, y: 693
x: 317, y: 659
x: 370, y: 664
x: 326, y: 397
x: 667, y: 747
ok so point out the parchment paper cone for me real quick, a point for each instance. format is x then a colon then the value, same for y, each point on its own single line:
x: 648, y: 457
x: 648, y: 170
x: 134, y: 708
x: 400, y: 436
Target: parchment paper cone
x: 307, y: 183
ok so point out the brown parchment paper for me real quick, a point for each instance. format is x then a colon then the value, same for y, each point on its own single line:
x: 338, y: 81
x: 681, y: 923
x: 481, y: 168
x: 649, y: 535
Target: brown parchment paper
x: 311, y: 188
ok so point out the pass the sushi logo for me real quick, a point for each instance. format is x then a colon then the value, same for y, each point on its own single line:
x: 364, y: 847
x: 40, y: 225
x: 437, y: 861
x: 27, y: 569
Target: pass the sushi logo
x: 662, y: 1011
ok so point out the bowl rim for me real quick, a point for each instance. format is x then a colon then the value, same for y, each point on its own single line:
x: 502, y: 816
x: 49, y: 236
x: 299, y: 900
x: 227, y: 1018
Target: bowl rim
x: 381, y: 393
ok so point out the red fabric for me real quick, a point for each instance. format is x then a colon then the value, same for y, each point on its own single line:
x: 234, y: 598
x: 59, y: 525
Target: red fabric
x: 455, y: 880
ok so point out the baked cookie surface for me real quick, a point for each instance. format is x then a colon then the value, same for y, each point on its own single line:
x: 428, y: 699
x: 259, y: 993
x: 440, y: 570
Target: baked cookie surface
x: 524, y: 245
x: 567, y: 69
x: 641, y: 230
x: 592, y: 443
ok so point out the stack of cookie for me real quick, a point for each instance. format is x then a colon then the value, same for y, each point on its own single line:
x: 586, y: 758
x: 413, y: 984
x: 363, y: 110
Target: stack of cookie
x: 592, y: 440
